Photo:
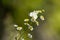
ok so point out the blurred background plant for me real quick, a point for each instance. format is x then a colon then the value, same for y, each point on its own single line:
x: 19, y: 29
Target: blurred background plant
x: 15, y: 11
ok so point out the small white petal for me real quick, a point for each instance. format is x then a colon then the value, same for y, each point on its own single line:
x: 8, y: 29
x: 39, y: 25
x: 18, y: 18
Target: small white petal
x: 15, y: 25
x: 31, y: 14
x: 29, y: 35
x: 26, y: 20
x: 19, y: 28
x: 43, y: 10
x: 35, y: 17
x: 27, y: 24
x: 39, y: 11
x: 42, y: 17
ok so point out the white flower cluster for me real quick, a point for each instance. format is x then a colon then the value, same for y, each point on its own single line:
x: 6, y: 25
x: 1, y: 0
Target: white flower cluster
x: 34, y: 17
x: 34, y: 14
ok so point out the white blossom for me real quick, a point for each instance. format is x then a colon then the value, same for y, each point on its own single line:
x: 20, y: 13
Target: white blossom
x: 26, y: 20
x: 27, y: 24
x: 19, y: 28
x: 15, y: 25
x: 31, y: 28
x: 42, y: 17
x: 29, y: 35
x: 39, y: 11
x: 33, y: 14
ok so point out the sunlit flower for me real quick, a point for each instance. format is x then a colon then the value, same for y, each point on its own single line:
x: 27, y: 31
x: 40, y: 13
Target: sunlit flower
x: 42, y: 17
x: 29, y: 35
x: 19, y: 28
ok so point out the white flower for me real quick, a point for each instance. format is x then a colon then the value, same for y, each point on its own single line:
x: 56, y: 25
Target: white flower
x: 15, y: 25
x: 27, y: 24
x: 31, y: 28
x: 33, y: 14
x: 19, y: 28
x: 29, y: 35
x: 26, y: 20
x: 42, y: 17
x: 39, y: 11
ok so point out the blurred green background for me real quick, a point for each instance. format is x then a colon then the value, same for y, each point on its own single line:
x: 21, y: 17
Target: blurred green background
x: 48, y: 29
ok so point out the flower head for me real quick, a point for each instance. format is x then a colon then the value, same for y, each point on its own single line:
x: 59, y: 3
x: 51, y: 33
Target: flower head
x: 33, y: 14
x: 15, y: 25
x: 26, y: 20
x: 27, y: 24
x: 19, y: 28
